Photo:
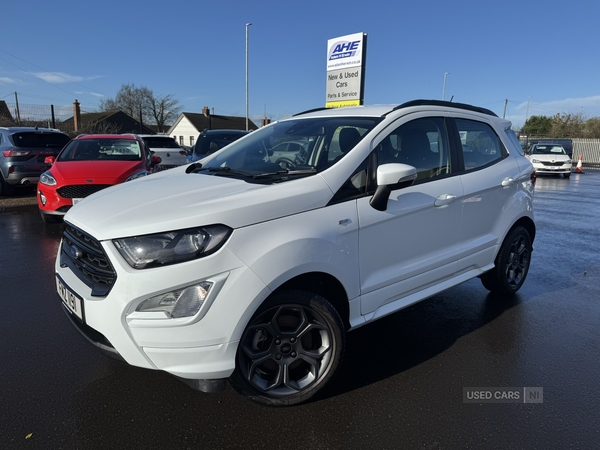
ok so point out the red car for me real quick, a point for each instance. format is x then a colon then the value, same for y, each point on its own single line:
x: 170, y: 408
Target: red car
x: 88, y: 164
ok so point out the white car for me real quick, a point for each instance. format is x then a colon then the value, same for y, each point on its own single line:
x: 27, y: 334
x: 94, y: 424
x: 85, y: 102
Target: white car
x: 236, y: 268
x: 550, y: 158
x: 169, y: 151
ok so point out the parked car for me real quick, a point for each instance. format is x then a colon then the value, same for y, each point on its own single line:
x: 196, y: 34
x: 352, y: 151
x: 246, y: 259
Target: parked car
x: 22, y: 154
x: 169, y: 151
x: 235, y: 268
x: 88, y: 164
x: 550, y: 159
x: 567, y: 144
x: 289, y: 153
x: 209, y: 141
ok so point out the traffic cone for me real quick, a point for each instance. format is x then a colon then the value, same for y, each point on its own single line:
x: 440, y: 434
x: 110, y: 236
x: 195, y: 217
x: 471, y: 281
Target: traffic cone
x: 579, y: 168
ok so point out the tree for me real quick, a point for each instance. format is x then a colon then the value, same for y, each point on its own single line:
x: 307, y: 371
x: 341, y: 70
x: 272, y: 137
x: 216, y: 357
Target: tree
x: 142, y: 104
x: 567, y: 125
x: 591, y: 129
x: 537, y: 126
x: 163, y: 110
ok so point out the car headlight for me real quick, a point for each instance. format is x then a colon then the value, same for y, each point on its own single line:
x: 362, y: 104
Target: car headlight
x: 161, y: 249
x: 533, y: 160
x: 47, y: 179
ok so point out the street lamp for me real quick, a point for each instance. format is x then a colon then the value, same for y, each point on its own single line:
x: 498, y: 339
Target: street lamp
x: 247, y: 25
x: 444, y: 92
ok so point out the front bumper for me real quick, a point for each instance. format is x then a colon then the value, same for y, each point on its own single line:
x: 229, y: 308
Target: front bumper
x: 559, y: 168
x: 202, y: 347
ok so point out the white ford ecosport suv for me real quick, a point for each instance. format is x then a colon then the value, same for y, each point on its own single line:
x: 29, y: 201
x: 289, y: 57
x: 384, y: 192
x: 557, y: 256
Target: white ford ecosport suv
x: 238, y: 267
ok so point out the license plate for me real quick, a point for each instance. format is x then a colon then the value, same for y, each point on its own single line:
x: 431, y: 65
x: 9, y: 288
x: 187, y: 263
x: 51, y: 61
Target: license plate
x: 553, y: 168
x: 76, y: 200
x: 73, y: 303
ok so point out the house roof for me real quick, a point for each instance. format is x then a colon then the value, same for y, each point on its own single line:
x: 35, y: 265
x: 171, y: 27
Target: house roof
x: 5, y: 112
x: 215, y: 122
x: 124, y: 122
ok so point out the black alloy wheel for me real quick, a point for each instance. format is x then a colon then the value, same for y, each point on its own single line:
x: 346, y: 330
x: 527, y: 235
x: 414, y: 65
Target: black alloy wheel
x: 290, y: 349
x: 512, y: 263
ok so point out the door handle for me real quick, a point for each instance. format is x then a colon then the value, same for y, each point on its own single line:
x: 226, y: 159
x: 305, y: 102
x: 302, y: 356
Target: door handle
x: 444, y: 200
x: 508, y: 182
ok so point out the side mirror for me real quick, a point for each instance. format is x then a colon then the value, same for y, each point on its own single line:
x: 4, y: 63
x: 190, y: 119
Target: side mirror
x: 49, y: 159
x: 155, y: 160
x: 391, y: 176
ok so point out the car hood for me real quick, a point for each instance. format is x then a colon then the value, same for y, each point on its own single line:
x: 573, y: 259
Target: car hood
x: 174, y: 200
x: 549, y: 158
x: 102, y: 172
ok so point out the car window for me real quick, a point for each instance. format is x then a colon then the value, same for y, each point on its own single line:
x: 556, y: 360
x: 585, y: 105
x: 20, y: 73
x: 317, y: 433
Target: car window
x: 421, y: 143
x: 161, y: 142
x: 480, y: 144
x: 41, y: 140
x: 101, y: 149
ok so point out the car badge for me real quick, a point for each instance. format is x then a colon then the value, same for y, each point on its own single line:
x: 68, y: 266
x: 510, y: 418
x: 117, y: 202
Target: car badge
x: 75, y: 252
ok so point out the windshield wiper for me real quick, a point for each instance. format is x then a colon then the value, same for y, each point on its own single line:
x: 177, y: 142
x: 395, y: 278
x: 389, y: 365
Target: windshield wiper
x: 285, y: 172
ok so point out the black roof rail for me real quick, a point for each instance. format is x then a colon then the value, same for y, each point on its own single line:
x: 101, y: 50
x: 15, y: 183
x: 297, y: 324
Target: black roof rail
x: 310, y: 110
x: 447, y: 105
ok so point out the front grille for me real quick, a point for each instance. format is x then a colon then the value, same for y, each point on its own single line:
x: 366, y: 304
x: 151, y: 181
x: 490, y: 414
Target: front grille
x: 548, y: 163
x: 86, y: 258
x: 80, y: 190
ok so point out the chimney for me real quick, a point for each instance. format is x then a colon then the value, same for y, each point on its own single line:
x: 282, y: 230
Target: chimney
x: 76, y: 115
x: 206, y: 111
x: 265, y: 121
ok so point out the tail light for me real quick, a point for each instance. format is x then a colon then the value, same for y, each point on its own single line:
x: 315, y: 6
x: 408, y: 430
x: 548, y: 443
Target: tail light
x: 9, y: 153
x: 183, y: 153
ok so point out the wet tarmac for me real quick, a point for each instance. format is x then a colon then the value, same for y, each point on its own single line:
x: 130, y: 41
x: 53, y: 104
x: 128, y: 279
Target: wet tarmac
x: 402, y: 384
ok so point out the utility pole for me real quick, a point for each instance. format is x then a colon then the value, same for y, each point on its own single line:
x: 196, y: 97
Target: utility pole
x: 17, y: 105
x: 505, y: 104
x: 247, y: 25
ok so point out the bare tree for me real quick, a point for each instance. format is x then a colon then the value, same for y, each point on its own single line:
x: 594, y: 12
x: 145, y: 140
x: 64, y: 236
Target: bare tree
x: 163, y: 110
x: 133, y: 101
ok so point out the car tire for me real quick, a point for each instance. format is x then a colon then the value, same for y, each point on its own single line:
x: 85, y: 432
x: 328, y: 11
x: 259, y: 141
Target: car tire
x: 511, y: 264
x: 51, y: 218
x: 5, y: 188
x: 290, y: 349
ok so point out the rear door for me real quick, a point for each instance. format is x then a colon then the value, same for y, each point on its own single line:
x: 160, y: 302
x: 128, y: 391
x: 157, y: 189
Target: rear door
x: 490, y: 181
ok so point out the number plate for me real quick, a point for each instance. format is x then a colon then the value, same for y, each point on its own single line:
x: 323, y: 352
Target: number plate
x: 73, y: 303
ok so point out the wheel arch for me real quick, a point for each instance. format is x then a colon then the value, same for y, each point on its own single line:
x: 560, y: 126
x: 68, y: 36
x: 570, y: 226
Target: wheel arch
x: 528, y: 224
x: 325, y: 285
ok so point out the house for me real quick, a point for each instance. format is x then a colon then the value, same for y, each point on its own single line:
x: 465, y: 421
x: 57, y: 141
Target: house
x: 188, y: 126
x: 104, y: 122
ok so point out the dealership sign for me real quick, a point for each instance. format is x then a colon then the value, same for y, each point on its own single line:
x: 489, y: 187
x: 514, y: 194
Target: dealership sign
x: 345, y: 70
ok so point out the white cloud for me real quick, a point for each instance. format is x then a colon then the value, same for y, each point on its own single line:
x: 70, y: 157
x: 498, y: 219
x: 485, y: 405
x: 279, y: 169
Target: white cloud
x: 60, y: 77
x: 6, y: 80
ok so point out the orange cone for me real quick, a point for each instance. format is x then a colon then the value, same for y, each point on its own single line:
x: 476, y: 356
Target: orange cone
x: 579, y: 168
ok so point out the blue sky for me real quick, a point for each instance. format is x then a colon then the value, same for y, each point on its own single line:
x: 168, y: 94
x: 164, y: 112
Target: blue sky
x: 540, y: 56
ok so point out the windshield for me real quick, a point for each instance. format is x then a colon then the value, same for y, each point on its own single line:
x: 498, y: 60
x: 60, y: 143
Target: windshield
x: 549, y: 150
x: 299, y: 145
x: 101, y: 149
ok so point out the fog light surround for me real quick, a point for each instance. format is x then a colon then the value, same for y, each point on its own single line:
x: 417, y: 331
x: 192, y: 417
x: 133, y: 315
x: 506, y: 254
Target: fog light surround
x: 184, y: 302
